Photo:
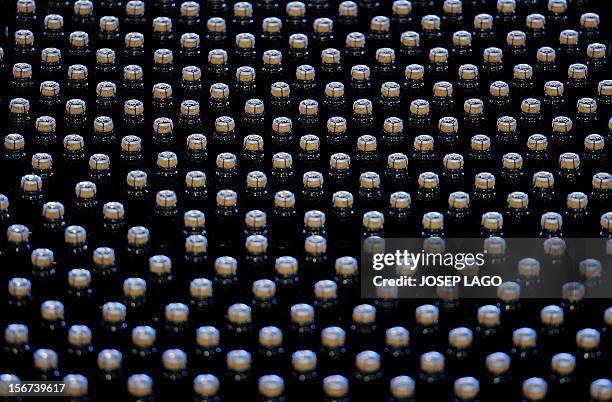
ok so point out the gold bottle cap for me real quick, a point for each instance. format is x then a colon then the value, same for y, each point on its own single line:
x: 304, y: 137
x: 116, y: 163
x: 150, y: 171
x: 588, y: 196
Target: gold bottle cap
x: 568, y: 37
x: 174, y: 359
x: 134, y: 40
x: 243, y: 9
x: 460, y: 338
x: 594, y: 142
x: 256, y: 179
x: 160, y: 264
x: 367, y: 361
x: 109, y: 23
x: 448, y: 125
x: 24, y: 37
x: 215, y: 24
x: 217, y: 57
x: 506, y: 124
x: 54, y: 22
x: 52, y: 310
x: 422, y: 142
x: 452, y: 161
x: 190, y: 9
x: 517, y: 199
x: 535, y: 389
x: 573, y: 291
x: 468, y: 72
x: 113, y: 312
x: 473, y: 106
x: 19, y: 287
x: 206, y: 385
x: 42, y: 161
x: 140, y: 385
x: 480, y: 142
x: 400, y: 200
x: 330, y: 56
x: 397, y: 161
x: 165, y: 199
x: 315, y: 245
x: 452, y: 7
x: 493, y: 55
x: 602, y: 180
x: 272, y: 57
x: 552, y: 315
x: 302, y: 314
x: 166, y: 160
x: 45, y: 359
x: 314, y: 219
x: 427, y: 314
x: 596, y: 50
x: 601, y: 390
x: 239, y: 313
x: 414, y: 72
x: 524, y: 337
x: 105, y: 256
x: 207, y: 336
x: 443, y: 89
x: 190, y: 108
x: 136, y: 179
x: 161, y: 24
x: 335, y: 386
x: 323, y: 25
x: 270, y: 337
x: 355, y: 40
x: 79, y: 335
x: 19, y: 106
x: 284, y: 199
x: 298, y: 41
x: 498, y: 363
x: 433, y: 221
x: 22, y: 70
x: 253, y: 142
x: 138, y: 235
x: 360, y: 72
x: 586, y: 105
x: 238, y: 360
x: 430, y: 22
x: 432, y: 362
x: 194, y: 219
x: 410, y: 39
x: 282, y: 160
x: 304, y: 361
x: 52, y: 210
x: 522, y: 72
x: 488, y: 315
x: 589, y: 21
x: 196, y: 244
x: 428, y: 180
x: 373, y: 220
x: 483, y: 22
x: 75, y: 235
x: 557, y: 6
x: 590, y: 268
x: 176, y: 312
x: 512, y: 161
x: 462, y: 38
x: 467, y: 387
x: 347, y: 266
x: 362, y: 107
x: 196, y: 142
x: 191, y: 73
x: 245, y: 74
x: 337, y: 125
x: 270, y: 386
x: 438, y: 55
x: 458, y: 199
x: 51, y: 55
x: 537, y: 142
x: 134, y: 287
x: 308, y: 107
x: 83, y: 7
x: 385, y: 55
x: 606, y: 221
x: 577, y: 200
x: 243, y: 41
x: 343, y: 199
x: 505, y: 7
x: 295, y: 9
x: 225, y: 266
x: 380, y: 23
x: 397, y: 337
x: 99, y: 162
x: 76, y: 385
x: 41, y: 257
x: 492, y: 220
x: 312, y: 179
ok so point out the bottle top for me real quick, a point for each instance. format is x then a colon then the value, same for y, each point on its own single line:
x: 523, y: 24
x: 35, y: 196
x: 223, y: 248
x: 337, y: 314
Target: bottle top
x: 225, y: 266
x: 432, y: 362
x: 557, y: 6
x: 16, y: 334
x: 360, y: 72
x: 397, y: 337
x: 238, y: 360
x: 577, y: 200
x: 243, y: 9
x: 596, y: 51
x: 206, y: 385
x: 270, y: 337
x: 295, y: 9
x: 400, y: 200
x: 19, y: 106
x: 51, y: 55
x: 201, y: 287
x: 140, y: 385
x: 552, y: 315
x: 239, y: 314
x: 364, y: 314
x: 459, y: 200
x: 373, y: 220
x: 176, y: 313
x: 343, y: 199
x: 488, y: 315
x: 323, y: 25
x: 24, y: 37
x: 167, y: 160
x: 385, y: 55
x: 537, y: 142
x: 335, y: 386
x: 134, y: 287
x: 427, y: 314
x: 45, y: 359
x: 601, y: 390
x: 19, y: 287
x: 54, y: 22
x: 483, y: 22
x: 191, y: 73
x: 438, y: 55
x: 577, y: 71
x: 308, y: 107
x: 190, y: 9
x: 473, y: 106
x: 174, y: 359
x: 467, y: 387
x: 160, y: 24
x: 453, y: 161
x: 79, y: 335
x: 215, y: 24
x: 207, y: 336
x: 588, y: 339
x: 430, y: 22
x: 253, y: 142
x: 347, y: 266
x: 304, y: 361
x: 196, y: 244
x: 589, y: 21
x: 535, y: 388
x: 367, y: 361
x: 428, y: 180
x: 586, y: 105
x: 52, y: 310
x: 160, y: 264
x: 113, y: 312
x: 493, y: 55
x: 524, y: 337
x: 270, y: 386
x: 468, y: 72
